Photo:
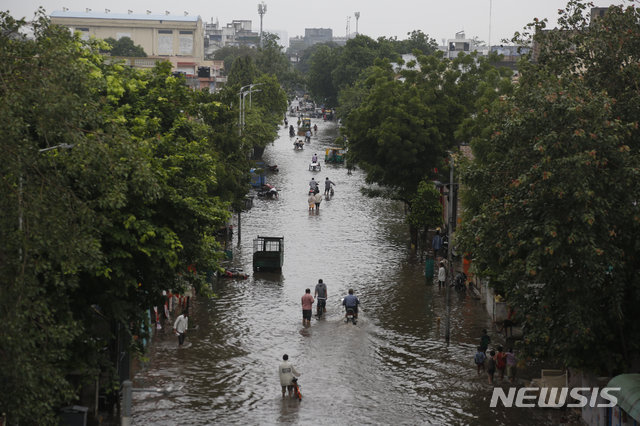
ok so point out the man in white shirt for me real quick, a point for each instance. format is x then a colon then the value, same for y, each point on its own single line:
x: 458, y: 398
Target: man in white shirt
x: 180, y: 326
x: 287, y: 372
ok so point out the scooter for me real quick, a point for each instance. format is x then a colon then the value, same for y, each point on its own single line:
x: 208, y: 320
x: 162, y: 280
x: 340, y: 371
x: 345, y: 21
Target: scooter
x: 351, y: 316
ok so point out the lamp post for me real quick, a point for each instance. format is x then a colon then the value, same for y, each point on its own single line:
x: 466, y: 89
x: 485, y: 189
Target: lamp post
x: 241, y: 95
x: 447, y: 332
x: 262, y: 9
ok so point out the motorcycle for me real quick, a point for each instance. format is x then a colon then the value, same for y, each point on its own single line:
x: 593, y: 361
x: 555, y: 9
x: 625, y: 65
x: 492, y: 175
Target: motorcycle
x: 351, y: 316
x: 292, y: 131
x: 298, y: 144
x: 459, y: 282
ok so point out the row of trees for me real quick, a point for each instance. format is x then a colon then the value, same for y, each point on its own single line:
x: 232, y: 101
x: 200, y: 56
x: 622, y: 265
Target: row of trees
x: 400, y: 119
x: 552, y: 194
x: 113, y: 186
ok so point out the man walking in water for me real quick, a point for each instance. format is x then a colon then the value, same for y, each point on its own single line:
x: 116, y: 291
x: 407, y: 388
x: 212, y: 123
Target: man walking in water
x: 327, y: 186
x: 307, y: 307
x: 321, y: 295
x: 180, y: 326
x: 287, y: 372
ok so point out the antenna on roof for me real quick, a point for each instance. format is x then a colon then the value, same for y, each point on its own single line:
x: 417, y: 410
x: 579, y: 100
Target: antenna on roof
x: 148, y: 12
x: 107, y: 10
x: 129, y: 11
x: 186, y: 13
x: 64, y: 9
x: 166, y: 12
x: 87, y: 10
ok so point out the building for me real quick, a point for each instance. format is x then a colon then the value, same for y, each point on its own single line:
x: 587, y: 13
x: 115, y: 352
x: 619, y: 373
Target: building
x: 177, y: 39
x: 461, y: 44
x: 311, y: 36
x: 236, y: 33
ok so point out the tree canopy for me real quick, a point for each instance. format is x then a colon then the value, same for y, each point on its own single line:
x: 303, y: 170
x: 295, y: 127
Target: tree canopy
x: 124, y: 47
x: 551, y: 195
x: 115, y: 181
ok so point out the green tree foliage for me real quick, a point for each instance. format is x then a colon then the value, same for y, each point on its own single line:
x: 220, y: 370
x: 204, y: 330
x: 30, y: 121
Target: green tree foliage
x: 229, y: 54
x: 140, y: 175
x: 319, y: 78
x: 551, y: 200
x: 331, y: 69
x: 125, y: 47
x: 402, y: 128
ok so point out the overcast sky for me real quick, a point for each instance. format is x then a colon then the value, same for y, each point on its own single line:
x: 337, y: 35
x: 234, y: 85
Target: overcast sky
x: 438, y: 19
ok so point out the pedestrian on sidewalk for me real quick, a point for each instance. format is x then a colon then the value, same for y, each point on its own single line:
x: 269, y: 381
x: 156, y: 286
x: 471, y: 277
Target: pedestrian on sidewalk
x: 442, y: 275
x: 511, y: 365
x: 307, y: 306
x: 180, y: 326
x: 491, y: 366
x: 484, y: 340
x: 501, y: 362
x: 479, y: 359
x: 436, y: 243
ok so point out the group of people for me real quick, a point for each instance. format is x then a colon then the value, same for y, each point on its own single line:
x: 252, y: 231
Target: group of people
x: 287, y: 372
x: 499, y: 361
x: 315, y: 198
x: 350, y: 301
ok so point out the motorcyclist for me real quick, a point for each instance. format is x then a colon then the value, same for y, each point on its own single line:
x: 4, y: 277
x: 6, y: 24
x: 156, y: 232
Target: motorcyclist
x: 351, y: 302
x: 314, y: 158
x: 313, y: 186
x: 292, y: 131
x: 327, y: 186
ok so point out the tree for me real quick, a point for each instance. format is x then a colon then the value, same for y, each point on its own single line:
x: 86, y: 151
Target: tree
x: 121, y: 204
x: 124, y: 47
x: 551, y: 196
x: 319, y: 78
x: 423, y: 116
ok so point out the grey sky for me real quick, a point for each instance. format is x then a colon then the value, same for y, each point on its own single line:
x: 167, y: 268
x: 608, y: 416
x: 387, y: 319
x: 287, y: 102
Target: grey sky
x: 438, y: 19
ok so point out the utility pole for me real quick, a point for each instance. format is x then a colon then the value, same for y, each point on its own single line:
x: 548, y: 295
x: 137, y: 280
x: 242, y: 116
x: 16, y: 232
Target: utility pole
x: 447, y: 333
x: 262, y: 9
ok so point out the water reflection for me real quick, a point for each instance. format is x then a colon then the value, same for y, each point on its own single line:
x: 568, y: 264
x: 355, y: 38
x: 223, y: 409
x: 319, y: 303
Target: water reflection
x: 391, y: 368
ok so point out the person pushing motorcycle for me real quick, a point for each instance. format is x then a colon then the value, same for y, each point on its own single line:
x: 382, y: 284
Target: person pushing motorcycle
x: 351, y: 302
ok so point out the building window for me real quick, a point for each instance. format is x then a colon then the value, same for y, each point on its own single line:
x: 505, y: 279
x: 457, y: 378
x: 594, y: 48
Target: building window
x: 165, y: 42
x: 186, y: 43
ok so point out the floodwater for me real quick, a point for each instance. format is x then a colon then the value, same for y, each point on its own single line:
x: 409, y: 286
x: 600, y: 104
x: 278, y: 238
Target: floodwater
x: 393, y: 367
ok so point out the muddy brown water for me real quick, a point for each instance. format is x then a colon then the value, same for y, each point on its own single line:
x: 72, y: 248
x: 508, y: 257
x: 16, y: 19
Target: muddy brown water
x: 393, y: 367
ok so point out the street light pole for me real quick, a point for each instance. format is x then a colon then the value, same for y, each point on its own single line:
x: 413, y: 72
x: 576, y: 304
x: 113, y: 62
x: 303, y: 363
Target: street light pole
x: 447, y: 333
x: 262, y: 9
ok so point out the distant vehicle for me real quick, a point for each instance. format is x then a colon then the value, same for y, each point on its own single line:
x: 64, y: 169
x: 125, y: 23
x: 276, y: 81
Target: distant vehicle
x: 305, y: 124
x: 268, y: 253
x: 334, y: 155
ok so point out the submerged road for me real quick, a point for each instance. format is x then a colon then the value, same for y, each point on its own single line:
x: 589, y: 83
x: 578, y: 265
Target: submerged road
x: 393, y: 367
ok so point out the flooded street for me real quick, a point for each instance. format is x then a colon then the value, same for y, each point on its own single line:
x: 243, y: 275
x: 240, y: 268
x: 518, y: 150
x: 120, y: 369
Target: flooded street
x: 393, y: 367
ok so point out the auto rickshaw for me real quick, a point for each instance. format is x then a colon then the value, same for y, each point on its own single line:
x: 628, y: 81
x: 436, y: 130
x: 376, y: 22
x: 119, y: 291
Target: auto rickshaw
x: 305, y: 124
x: 334, y: 155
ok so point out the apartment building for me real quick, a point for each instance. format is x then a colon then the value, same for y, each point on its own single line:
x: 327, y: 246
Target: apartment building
x: 177, y: 39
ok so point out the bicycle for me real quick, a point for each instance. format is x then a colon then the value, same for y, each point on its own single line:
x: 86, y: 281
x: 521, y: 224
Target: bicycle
x: 321, y: 308
x: 296, y: 389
